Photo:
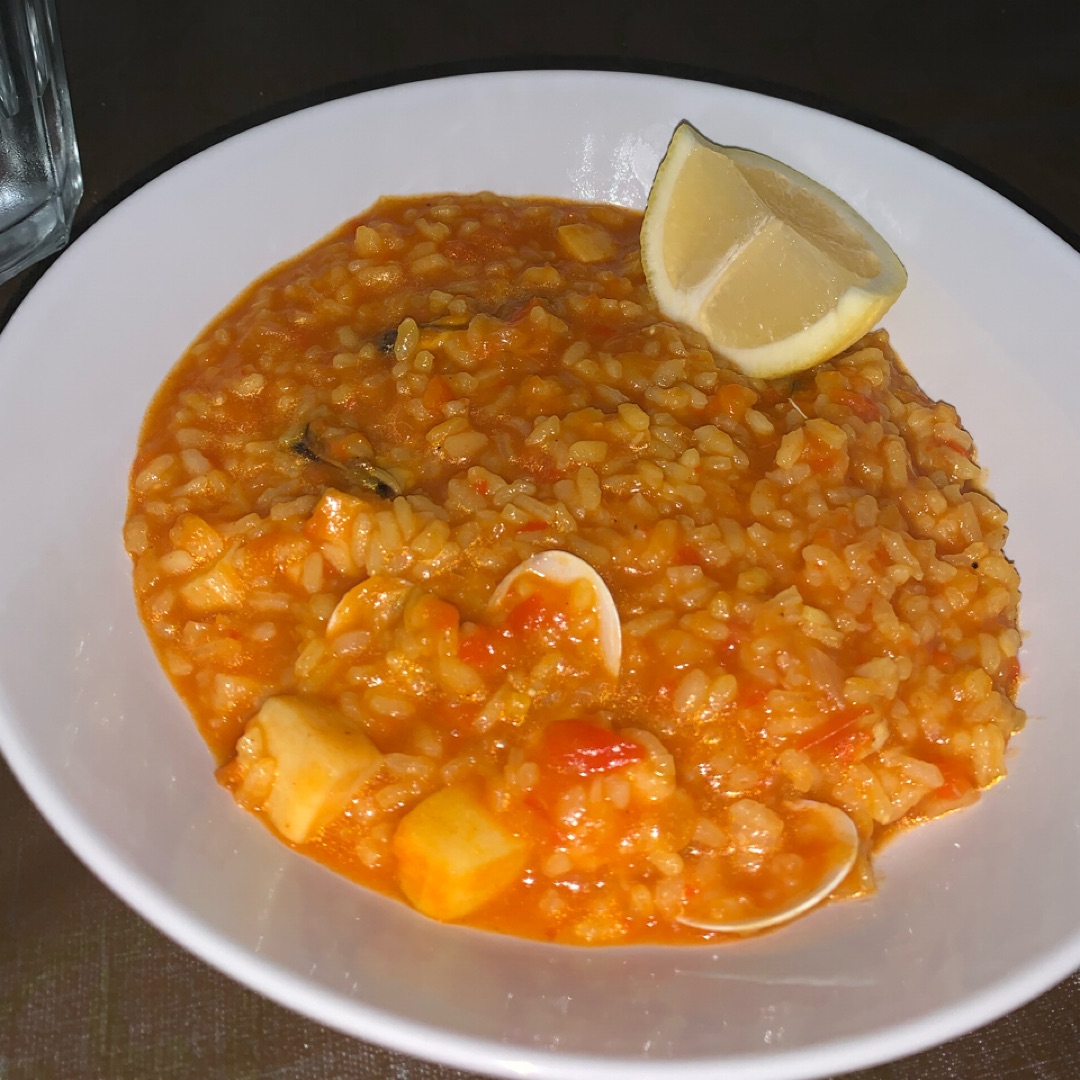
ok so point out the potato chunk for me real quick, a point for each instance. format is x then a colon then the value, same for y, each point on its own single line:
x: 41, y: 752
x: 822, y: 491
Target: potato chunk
x: 218, y: 589
x: 454, y: 855
x: 320, y: 761
x: 586, y: 243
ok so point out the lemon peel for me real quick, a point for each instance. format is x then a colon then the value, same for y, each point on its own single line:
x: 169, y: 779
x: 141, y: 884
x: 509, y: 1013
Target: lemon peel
x: 774, y: 269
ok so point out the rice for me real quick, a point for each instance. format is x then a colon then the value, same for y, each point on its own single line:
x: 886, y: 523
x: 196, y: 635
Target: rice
x: 811, y: 582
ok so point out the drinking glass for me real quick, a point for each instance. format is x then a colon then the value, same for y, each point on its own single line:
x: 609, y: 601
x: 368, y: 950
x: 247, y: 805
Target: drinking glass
x: 40, y: 176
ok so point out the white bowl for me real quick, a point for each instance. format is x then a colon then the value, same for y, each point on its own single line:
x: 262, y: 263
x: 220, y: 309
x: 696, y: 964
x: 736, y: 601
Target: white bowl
x: 976, y: 913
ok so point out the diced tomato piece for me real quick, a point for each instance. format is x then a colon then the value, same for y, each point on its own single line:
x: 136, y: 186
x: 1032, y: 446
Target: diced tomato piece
x: 585, y: 749
x: 480, y: 647
x: 1012, y: 673
x: 817, y: 454
x: 840, y: 737
x: 952, y: 444
x: 730, y: 400
x: 534, y: 613
x: 957, y: 782
x: 687, y: 556
x: 850, y: 746
x: 860, y: 405
x: 750, y: 697
x: 436, y: 394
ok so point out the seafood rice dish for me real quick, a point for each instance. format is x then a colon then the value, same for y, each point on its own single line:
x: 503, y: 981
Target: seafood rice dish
x: 495, y: 591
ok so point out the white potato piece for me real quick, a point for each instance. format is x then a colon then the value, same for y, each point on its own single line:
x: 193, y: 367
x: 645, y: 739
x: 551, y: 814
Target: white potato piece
x: 216, y: 589
x: 320, y: 761
x: 454, y: 855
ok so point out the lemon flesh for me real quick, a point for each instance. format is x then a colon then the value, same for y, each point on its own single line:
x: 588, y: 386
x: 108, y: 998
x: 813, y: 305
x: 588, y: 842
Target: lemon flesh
x: 775, y: 270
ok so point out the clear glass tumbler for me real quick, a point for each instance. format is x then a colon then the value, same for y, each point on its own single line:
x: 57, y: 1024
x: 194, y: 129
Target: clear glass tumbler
x: 40, y: 176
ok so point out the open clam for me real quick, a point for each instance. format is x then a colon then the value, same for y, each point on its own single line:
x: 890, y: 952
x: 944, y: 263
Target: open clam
x: 565, y: 569
x: 373, y: 604
x: 832, y: 842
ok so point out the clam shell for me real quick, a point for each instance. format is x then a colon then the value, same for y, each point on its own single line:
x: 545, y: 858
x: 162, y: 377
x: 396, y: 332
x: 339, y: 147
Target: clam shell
x: 847, y: 835
x: 564, y: 568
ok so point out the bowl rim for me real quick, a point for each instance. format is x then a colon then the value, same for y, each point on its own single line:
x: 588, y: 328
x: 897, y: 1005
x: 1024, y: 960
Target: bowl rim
x: 293, y: 991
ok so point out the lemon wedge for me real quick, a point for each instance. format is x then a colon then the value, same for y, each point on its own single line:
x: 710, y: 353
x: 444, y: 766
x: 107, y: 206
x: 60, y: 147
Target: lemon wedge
x: 775, y: 270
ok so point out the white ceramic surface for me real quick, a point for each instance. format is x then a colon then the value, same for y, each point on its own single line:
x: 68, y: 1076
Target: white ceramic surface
x: 976, y: 914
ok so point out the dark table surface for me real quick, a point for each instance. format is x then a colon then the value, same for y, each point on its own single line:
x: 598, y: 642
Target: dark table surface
x: 87, y: 988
